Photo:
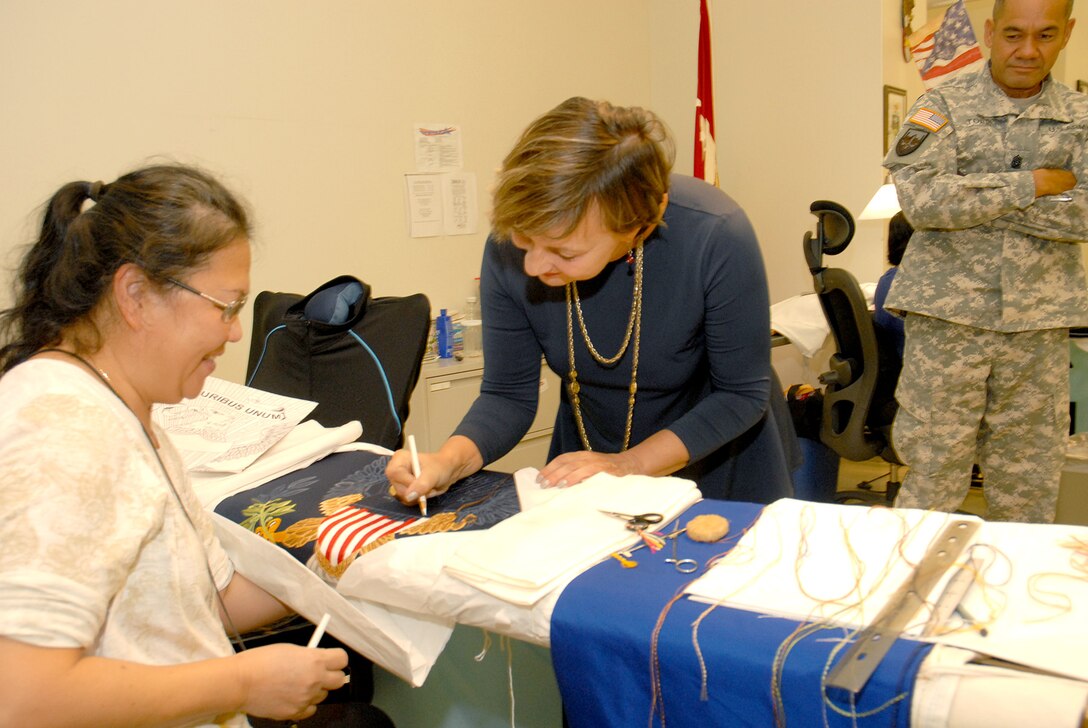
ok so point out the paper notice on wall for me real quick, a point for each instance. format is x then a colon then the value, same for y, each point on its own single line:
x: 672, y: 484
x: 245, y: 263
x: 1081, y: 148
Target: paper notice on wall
x: 424, y: 204
x: 437, y: 147
x: 441, y: 204
x: 459, y: 203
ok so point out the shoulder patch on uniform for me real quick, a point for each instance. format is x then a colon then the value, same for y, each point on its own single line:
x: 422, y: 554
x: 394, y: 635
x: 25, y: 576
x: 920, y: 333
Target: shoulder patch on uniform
x: 928, y: 119
x: 909, y: 141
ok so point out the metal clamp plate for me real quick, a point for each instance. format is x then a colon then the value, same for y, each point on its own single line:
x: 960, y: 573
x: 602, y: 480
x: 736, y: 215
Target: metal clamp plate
x: 855, y: 668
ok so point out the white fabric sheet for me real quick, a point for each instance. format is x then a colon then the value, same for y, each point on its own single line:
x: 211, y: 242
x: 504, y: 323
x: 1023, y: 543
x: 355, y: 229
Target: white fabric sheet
x: 530, y: 554
x: 1034, y: 600
x: 405, y: 644
x: 816, y: 561
x: 821, y: 561
x: 409, y: 574
x: 801, y: 319
x: 307, y: 443
x: 951, y: 692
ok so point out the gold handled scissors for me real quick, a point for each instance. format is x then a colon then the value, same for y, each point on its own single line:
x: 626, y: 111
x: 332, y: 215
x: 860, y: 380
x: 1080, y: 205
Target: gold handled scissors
x: 637, y: 522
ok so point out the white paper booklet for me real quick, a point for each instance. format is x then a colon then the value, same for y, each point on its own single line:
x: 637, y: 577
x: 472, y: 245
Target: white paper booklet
x: 228, y: 426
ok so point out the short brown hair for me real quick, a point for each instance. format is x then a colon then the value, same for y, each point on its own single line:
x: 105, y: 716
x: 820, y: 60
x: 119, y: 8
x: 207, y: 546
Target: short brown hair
x: 582, y: 153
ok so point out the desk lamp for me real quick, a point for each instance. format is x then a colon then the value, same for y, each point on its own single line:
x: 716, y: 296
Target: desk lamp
x: 885, y: 204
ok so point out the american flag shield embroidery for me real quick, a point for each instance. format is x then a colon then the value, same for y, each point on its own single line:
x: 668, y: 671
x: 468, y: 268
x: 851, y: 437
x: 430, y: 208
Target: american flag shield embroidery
x: 350, y: 529
x: 929, y: 119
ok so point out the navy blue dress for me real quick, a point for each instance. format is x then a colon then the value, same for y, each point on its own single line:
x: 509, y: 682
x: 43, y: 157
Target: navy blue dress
x: 882, y: 317
x: 704, y: 365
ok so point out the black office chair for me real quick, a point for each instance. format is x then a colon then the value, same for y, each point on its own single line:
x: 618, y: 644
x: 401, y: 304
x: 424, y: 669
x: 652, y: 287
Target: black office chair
x: 358, y: 357
x: 859, y: 390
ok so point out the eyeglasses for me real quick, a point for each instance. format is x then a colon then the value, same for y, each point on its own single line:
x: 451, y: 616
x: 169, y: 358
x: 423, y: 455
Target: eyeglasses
x: 230, y: 310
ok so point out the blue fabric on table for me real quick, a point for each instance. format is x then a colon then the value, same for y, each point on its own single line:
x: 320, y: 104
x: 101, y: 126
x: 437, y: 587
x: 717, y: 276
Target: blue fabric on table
x: 602, y: 632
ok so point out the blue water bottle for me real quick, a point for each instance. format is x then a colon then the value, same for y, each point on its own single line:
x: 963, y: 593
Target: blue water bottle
x: 444, y: 329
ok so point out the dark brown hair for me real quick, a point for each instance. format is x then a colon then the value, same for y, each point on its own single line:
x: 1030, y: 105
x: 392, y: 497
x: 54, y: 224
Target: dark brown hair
x: 168, y: 219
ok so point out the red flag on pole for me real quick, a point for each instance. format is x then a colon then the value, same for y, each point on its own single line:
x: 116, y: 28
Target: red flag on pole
x: 706, y: 155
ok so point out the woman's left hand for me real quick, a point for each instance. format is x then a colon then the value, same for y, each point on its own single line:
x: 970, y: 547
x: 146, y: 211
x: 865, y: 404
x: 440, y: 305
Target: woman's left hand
x: 659, y: 454
x: 574, y: 467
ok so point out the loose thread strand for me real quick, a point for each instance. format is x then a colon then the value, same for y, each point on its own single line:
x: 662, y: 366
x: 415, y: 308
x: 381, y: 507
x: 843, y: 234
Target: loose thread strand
x: 507, y: 646
x: 479, y: 657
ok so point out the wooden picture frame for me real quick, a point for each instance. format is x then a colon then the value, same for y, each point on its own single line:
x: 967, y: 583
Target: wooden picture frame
x: 895, y: 111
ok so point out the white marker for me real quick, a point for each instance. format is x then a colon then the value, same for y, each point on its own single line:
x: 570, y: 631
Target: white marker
x: 416, y: 470
x: 319, y: 632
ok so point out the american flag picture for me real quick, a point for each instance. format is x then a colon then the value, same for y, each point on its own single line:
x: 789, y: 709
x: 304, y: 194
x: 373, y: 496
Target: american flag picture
x: 946, y: 47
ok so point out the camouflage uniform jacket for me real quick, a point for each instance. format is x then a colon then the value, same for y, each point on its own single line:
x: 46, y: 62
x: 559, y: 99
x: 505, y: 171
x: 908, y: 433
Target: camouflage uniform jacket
x: 986, y: 253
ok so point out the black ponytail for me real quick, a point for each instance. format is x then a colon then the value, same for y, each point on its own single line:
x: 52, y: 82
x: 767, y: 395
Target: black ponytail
x: 167, y: 219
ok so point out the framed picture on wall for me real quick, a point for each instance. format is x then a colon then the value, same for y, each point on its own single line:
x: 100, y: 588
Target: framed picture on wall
x: 1082, y: 86
x: 895, y: 109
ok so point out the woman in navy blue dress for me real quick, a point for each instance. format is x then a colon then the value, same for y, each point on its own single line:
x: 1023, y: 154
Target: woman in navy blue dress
x: 646, y: 294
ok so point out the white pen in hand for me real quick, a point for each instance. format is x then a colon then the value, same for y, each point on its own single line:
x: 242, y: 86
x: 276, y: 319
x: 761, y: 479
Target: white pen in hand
x: 416, y: 470
x: 319, y: 632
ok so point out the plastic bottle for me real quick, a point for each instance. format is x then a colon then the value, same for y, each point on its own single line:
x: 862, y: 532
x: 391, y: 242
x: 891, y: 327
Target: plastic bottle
x: 472, y: 332
x: 444, y: 329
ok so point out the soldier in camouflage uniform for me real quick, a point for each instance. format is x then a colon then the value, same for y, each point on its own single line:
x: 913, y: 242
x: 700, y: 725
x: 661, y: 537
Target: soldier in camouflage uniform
x: 990, y: 169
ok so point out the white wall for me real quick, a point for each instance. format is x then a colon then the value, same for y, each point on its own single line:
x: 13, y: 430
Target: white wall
x: 799, y: 110
x: 306, y: 108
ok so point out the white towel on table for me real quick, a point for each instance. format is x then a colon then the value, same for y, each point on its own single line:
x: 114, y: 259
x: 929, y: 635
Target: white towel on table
x: 530, y: 554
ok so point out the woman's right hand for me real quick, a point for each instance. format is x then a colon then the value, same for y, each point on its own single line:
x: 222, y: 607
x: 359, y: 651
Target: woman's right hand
x: 435, y: 476
x: 458, y: 458
x: 286, y: 682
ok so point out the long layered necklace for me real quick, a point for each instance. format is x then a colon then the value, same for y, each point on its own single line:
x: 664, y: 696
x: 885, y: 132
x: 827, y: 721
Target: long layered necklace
x: 633, y: 334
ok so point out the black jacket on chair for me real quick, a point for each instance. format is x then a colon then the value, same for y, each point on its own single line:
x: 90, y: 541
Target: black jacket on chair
x: 358, y: 357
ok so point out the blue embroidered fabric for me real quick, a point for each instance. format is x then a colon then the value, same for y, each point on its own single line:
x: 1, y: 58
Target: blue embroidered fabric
x: 357, y: 478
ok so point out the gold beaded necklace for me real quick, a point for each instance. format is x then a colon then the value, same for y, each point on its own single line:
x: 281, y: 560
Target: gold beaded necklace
x: 634, y: 331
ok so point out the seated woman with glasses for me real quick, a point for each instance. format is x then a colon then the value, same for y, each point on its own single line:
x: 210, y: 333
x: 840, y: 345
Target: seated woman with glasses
x: 115, y: 596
